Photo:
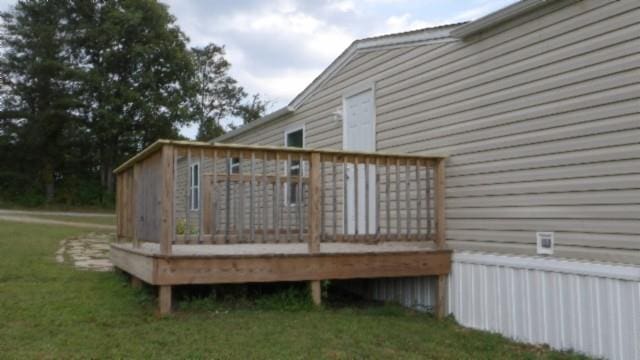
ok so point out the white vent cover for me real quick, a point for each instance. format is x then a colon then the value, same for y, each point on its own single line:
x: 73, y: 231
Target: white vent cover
x: 545, y: 243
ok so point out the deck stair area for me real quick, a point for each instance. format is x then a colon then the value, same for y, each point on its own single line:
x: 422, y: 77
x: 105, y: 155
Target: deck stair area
x: 201, y: 213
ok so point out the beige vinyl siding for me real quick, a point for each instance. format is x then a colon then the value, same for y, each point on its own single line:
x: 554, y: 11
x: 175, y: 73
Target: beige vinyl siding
x: 540, y: 117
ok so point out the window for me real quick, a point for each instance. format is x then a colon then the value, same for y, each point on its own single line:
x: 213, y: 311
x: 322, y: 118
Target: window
x: 195, y: 186
x: 294, y: 138
x: 234, y: 165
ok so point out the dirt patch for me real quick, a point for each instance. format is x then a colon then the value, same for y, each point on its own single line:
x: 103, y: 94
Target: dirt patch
x: 88, y: 252
x: 35, y: 220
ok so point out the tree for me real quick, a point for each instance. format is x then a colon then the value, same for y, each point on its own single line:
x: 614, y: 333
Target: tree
x: 137, y: 82
x: 217, y: 93
x: 37, y: 105
x: 86, y: 84
x: 252, y: 110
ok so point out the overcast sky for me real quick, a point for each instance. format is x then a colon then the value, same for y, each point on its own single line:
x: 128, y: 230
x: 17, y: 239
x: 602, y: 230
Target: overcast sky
x: 277, y: 47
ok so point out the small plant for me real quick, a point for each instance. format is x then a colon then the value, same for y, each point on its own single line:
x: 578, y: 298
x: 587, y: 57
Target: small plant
x: 208, y: 303
x: 181, y: 228
x: 290, y: 299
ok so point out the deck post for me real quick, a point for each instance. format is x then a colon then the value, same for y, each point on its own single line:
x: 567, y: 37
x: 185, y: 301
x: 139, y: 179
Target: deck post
x: 439, y: 187
x: 137, y: 173
x: 164, y: 299
x: 315, y: 207
x: 315, y: 217
x: 316, y: 292
x: 136, y: 283
x: 167, y: 224
x: 440, y: 217
x: 119, y: 206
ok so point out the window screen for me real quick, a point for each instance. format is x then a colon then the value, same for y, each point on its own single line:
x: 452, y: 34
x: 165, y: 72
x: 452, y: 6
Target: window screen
x: 294, y: 139
x: 195, y: 186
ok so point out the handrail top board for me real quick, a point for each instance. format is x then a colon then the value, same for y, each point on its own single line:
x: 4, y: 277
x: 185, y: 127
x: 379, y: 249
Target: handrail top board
x: 151, y: 149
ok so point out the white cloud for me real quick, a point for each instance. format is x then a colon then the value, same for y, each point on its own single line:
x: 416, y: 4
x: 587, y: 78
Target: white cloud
x: 282, y: 86
x: 278, y: 47
x: 294, y: 37
x: 480, y: 10
x: 343, y: 6
x: 405, y: 22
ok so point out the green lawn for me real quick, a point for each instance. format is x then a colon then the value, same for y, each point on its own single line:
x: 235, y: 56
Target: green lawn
x: 49, y: 310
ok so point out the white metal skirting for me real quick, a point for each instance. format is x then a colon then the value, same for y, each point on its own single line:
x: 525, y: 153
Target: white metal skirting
x: 588, y: 307
x: 418, y: 293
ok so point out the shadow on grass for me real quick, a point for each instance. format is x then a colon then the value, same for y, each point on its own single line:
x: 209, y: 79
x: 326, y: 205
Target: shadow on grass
x: 284, y: 297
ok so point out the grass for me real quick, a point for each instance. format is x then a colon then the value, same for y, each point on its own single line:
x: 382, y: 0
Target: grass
x: 50, y: 311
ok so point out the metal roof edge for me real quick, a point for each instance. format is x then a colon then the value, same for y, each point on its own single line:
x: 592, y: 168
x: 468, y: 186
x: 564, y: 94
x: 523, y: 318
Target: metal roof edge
x: 285, y: 110
x: 498, y: 17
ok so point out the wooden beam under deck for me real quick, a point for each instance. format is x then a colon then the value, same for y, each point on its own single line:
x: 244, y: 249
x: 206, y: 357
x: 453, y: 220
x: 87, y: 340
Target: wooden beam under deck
x: 217, y: 269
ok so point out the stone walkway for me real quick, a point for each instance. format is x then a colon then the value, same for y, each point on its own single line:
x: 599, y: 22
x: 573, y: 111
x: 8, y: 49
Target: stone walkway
x: 88, y: 252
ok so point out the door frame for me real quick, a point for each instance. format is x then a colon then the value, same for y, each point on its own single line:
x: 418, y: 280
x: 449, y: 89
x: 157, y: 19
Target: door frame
x: 356, y: 89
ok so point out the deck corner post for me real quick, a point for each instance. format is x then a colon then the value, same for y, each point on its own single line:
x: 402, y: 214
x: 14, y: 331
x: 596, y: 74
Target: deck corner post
x: 167, y: 198
x: 315, y: 208
x: 136, y: 283
x: 137, y: 174
x: 441, y: 232
x: 441, y: 297
x: 119, y: 205
x: 164, y: 300
x: 440, y: 199
x: 316, y: 292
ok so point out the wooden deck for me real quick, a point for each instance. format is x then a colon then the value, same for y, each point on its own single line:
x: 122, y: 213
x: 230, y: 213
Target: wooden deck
x: 211, y: 225
x: 250, y: 263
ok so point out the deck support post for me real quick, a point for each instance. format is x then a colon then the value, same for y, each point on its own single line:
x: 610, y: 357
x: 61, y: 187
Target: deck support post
x: 164, y: 300
x: 441, y: 297
x: 136, y: 283
x: 441, y: 236
x: 316, y: 292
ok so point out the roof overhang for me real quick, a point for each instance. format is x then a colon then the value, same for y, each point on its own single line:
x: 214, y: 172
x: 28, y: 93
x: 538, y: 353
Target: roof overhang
x: 498, y: 17
x: 286, y: 110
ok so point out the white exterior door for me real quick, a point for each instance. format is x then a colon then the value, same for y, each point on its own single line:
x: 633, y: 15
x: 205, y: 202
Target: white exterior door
x: 360, y: 135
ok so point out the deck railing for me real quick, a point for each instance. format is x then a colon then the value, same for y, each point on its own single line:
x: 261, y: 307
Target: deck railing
x: 177, y: 192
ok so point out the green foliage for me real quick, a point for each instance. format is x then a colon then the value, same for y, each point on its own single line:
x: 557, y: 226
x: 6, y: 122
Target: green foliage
x: 252, y: 110
x: 290, y: 299
x: 181, y: 227
x: 228, y: 298
x: 84, y: 85
x: 38, y: 108
x: 217, y: 93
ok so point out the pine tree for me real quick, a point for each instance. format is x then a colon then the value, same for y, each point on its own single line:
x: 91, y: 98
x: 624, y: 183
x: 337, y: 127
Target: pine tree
x: 37, y: 105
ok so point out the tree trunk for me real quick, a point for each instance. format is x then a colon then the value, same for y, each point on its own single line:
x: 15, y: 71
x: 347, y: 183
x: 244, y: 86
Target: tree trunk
x: 103, y: 175
x: 111, y: 183
x: 49, y: 185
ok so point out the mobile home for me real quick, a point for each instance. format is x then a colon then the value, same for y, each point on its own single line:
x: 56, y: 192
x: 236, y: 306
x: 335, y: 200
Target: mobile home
x: 489, y: 170
x: 537, y: 107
